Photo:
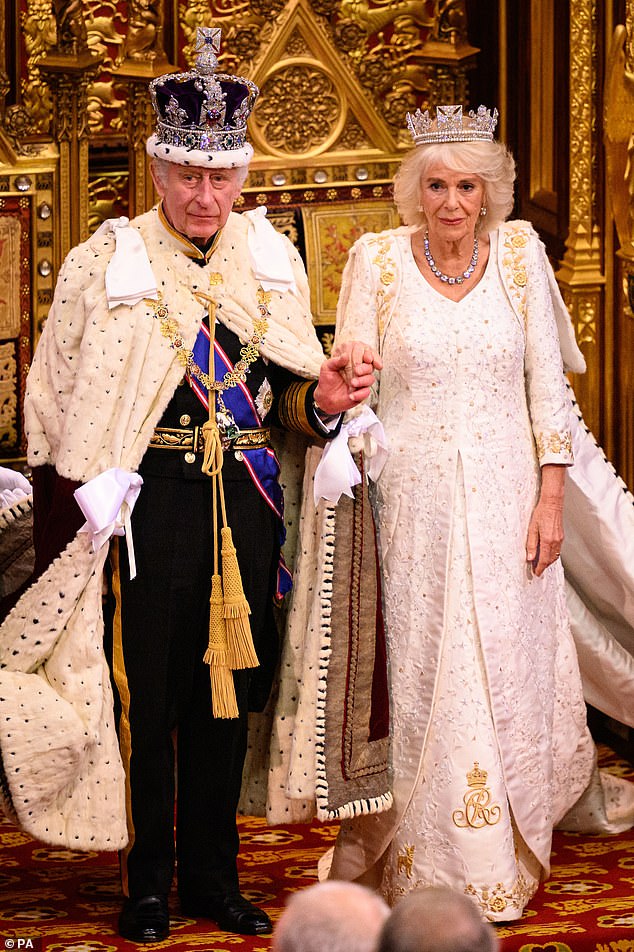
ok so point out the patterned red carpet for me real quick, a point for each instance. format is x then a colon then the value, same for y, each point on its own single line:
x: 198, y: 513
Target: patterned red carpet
x: 58, y: 901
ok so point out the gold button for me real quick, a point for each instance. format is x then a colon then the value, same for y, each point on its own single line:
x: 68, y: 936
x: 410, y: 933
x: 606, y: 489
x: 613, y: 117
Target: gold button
x: 185, y: 420
x: 238, y: 455
x: 190, y: 457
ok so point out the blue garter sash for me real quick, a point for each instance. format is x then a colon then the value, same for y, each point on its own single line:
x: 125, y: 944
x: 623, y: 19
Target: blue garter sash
x: 261, y: 463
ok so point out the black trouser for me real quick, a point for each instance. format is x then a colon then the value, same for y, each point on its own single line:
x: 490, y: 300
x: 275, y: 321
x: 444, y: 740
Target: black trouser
x: 164, y: 624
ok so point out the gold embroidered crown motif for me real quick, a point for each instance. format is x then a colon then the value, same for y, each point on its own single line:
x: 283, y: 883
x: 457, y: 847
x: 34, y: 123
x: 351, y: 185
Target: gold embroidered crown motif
x: 477, y: 777
x: 451, y: 125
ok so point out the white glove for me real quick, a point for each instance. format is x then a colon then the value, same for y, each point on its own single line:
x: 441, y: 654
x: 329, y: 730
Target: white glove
x: 13, y: 487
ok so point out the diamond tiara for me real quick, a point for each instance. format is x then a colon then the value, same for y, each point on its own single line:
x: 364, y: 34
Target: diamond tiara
x: 450, y: 125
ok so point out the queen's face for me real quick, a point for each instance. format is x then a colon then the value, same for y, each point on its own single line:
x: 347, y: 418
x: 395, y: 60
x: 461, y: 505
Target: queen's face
x: 452, y: 202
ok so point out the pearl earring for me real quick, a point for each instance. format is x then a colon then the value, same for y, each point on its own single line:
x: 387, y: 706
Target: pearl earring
x: 483, y: 210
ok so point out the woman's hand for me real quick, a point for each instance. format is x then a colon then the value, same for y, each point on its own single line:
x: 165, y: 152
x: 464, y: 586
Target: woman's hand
x: 360, y: 359
x: 346, y: 378
x: 546, y: 528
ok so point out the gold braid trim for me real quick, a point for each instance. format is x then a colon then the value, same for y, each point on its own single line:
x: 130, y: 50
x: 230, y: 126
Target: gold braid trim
x: 291, y: 408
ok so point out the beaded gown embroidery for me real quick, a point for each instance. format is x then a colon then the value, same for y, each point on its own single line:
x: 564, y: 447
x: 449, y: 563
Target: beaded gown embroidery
x: 489, y: 743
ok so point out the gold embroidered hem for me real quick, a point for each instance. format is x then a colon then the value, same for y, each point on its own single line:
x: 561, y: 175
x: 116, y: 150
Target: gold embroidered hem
x: 499, y: 903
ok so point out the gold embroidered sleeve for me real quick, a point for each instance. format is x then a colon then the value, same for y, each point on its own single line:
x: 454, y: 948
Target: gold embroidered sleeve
x: 553, y: 447
x: 293, y: 410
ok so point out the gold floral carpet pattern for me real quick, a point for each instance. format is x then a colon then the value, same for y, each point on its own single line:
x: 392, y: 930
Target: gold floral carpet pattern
x: 54, y: 900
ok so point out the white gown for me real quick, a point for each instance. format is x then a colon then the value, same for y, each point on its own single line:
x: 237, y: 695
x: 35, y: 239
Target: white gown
x: 489, y: 740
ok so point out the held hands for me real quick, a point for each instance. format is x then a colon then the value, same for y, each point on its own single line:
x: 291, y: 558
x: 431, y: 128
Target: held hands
x: 345, y: 379
x: 546, y: 528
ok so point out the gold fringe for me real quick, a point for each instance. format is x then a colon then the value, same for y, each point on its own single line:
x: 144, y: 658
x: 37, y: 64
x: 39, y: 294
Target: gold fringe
x: 236, y: 609
x: 223, y: 694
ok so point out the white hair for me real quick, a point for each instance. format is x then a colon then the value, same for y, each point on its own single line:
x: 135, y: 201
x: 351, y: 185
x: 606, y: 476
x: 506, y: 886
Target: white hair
x: 332, y: 916
x: 161, y: 168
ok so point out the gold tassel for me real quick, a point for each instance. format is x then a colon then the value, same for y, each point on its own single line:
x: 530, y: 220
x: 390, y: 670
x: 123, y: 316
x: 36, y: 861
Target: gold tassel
x: 223, y: 694
x: 236, y: 611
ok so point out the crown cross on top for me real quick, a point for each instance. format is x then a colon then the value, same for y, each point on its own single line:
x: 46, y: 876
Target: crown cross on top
x: 451, y: 125
x: 207, y: 45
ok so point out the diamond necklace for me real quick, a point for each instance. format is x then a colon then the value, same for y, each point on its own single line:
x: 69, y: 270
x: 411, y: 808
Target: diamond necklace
x: 445, y: 277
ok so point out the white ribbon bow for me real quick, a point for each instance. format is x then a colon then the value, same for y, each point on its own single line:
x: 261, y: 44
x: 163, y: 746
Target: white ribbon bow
x: 107, y: 502
x: 269, y: 256
x: 129, y: 275
x: 337, y: 472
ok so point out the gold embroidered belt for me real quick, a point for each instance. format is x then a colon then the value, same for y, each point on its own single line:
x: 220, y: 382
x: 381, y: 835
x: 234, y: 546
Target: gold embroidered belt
x: 192, y: 439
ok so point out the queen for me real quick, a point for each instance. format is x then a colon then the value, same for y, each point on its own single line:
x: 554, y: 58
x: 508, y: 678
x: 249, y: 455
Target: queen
x: 489, y: 743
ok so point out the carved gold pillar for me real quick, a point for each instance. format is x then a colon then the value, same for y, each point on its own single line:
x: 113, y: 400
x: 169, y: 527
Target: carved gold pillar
x: 619, y: 147
x: 581, y: 275
x: 69, y: 75
x: 141, y: 195
x: 142, y: 60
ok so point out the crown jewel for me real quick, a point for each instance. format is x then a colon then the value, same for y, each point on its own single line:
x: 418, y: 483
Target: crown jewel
x: 450, y: 125
x: 202, y: 109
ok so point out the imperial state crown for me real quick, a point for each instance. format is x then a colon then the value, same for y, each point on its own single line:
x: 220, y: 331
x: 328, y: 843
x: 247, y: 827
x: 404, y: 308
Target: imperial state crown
x: 202, y: 114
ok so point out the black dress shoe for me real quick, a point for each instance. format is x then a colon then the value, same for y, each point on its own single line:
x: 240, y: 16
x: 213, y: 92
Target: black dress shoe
x: 145, y: 919
x: 232, y: 913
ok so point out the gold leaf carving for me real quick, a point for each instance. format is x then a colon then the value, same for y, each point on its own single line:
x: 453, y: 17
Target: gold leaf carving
x: 299, y: 109
x: 8, y: 393
x: 619, y: 138
x: 9, y: 277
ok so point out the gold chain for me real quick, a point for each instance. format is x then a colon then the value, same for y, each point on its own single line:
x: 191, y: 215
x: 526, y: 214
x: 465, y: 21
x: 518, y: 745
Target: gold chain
x: 249, y: 352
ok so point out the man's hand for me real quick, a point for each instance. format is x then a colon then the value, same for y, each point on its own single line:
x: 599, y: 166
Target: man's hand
x: 346, y: 378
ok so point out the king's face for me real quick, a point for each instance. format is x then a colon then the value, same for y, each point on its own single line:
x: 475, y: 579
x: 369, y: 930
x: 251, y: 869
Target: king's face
x: 197, y: 201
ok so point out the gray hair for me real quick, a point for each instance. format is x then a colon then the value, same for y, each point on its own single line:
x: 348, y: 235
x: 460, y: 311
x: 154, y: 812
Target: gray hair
x: 490, y: 161
x: 437, y: 919
x: 161, y: 167
x: 334, y: 916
